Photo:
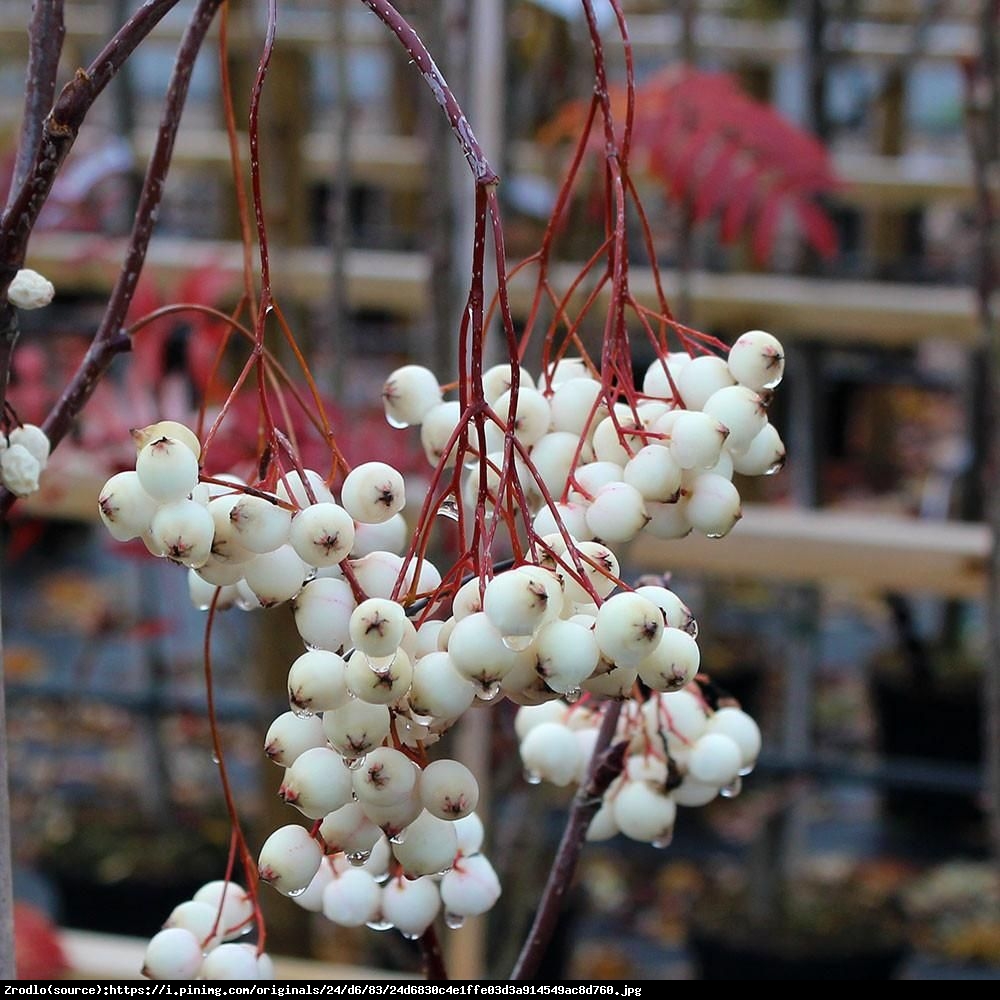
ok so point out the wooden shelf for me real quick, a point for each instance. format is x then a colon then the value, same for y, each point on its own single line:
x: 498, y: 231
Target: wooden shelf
x: 107, y: 956
x: 868, y: 551
x: 834, y: 312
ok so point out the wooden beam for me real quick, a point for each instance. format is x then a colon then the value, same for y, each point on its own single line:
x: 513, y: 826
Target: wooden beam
x: 873, y: 552
x: 397, y: 163
x: 835, y: 312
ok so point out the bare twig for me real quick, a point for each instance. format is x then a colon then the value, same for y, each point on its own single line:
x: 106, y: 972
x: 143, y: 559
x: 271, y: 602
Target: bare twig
x: 430, y: 948
x: 109, y: 340
x: 45, y: 40
x: 606, y: 764
x: 410, y: 40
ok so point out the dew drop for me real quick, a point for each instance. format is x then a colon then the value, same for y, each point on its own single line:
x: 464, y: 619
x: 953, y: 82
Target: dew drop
x: 664, y: 841
x: 454, y: 920
x: 301, y: 711
x: 715, y: 534
x: 449, y: 509
x: 354, y: 763
x: 296, y: 892
x: 380, y: 925
x: 398, y: 837
x: 573, y: 695
x: 489, y: 692
x: 202, y: 607
x: 517, y: 643
x: 747, y: 769
x: 357, y: 858
x: 775, y: 467
x: 410, y: 937
x: 215, y: 759
x: 532, y: 777
x: 395, y: 421
x: 379, y: 664
x: 691, y: 627
x: 733, y: 789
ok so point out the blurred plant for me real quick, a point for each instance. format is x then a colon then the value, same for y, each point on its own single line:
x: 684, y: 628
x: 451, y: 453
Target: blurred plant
x: 724, y: 155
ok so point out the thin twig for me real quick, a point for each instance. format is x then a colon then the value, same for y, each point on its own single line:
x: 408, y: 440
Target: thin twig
x: 109, y: 340
x: 430, y: 948
x: 606, y: 764
x: 45, y: 40
x: 410, y: 40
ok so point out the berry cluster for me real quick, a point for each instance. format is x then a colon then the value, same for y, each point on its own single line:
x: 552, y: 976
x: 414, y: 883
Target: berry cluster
x: 199, y: 939
x: 396, y: 651
x: 681, y: 752
x: 662, y: 463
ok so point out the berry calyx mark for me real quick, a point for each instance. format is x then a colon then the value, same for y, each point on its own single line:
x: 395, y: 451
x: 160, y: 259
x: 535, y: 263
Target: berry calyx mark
x: 328, y: 542
x: 385, y: 495
x: 375, y: 775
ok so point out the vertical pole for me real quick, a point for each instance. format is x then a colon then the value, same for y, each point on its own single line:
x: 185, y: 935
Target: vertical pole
x: 7, y: 970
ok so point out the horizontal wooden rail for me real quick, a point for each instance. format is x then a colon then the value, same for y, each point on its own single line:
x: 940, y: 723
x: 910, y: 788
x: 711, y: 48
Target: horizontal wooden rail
x: 839, y: 312
x: 760, y: 41
x: 870, y: 551
x: 399, y: 163
x: 109, y: 956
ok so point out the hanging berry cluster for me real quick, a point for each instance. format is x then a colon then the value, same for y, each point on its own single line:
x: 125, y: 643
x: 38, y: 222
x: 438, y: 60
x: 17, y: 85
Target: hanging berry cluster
x: 539, y: 481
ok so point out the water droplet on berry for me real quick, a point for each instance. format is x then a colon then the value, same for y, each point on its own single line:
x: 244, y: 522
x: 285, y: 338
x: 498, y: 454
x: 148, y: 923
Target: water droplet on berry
x: 733, y: 789
x: 380, y: 925
x: 302, y: 712
x: 379, y: 664
x: 517, y: 643
x: 489, y: 692
x: 775, y: 467
x: 573, y: 695
x: 398, y: 837
x: 395, y: 422
x: 454, y: 920
x: 449, y: 509
x: 532, y: 777
x: 357, y: 858
x: 411, y: 937
x: 215, y: 759
x: 354, y: 763
x: 295, y: 892
x: 748, y: 769
x: 663, y: 842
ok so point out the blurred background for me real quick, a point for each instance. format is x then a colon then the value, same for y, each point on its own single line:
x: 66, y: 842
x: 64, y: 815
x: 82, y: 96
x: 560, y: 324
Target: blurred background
x: 821, y: 169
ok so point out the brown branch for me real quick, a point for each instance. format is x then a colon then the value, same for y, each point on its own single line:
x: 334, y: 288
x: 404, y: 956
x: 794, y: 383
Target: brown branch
x: 109, y: 339
x: 430, y: 948
x: 606, y: 764
x: 45, y: 39
x: 410, y: 40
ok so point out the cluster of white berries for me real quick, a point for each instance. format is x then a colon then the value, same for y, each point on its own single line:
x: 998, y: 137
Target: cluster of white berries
x: 663, y: 466
x: 393, y: 840
x: 199, y: 939
x: 680, y: 752
x: 24, y: 453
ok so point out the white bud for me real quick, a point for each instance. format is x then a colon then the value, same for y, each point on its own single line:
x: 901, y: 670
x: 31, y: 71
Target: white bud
x: 20, y: 470
x: 30, y: 290
x: 32, y: 437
